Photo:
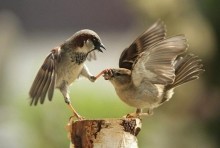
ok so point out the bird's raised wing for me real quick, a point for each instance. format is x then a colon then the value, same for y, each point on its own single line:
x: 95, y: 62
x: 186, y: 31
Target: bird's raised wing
x: 154, y: 34
x: 44, y: 82
x: 156, y: 65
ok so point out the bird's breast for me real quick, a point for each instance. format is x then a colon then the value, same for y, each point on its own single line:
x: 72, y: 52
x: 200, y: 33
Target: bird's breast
x: 67, y: 71
x: 140, y: 97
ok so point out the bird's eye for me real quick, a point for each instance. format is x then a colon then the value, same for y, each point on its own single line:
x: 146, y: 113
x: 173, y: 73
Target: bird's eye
x: 95, y: 41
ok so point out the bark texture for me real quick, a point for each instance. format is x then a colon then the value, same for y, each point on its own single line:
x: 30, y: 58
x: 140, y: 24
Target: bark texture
x: 104, y: 133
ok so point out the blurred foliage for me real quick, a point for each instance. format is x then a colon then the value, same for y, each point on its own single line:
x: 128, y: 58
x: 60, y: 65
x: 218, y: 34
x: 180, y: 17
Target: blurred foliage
x: 211, y: 9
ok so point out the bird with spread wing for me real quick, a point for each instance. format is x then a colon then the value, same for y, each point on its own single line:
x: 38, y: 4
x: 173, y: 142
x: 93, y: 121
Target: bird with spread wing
x: 151, y: 67
x: 64, y: 65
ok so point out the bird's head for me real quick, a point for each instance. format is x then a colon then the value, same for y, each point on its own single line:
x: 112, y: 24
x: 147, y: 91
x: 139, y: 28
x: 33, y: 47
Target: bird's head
x: 85, y: 40
x: 118, y: 76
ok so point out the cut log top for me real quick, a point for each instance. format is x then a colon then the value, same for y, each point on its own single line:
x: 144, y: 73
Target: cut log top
x: 104, y: 133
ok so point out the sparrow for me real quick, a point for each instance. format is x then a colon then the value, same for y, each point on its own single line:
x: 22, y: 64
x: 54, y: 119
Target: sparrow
x: 151, y: 67
x: 65, y: 64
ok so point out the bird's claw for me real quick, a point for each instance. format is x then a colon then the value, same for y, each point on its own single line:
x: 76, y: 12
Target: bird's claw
x: 75, y: 114
x: 76, y: 117
x: 138, y: 115
x: 92, y: 78
x: 108, y: 73
x: 132, y: 115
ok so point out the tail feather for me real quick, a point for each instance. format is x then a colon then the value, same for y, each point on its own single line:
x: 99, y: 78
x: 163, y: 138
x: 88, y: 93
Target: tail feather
x: 187, y: 69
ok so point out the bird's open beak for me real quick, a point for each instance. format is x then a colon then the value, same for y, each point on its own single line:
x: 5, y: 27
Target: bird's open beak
x: 99, y: 47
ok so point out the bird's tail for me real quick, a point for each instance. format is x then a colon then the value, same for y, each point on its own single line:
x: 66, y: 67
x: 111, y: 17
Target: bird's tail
x: 187, y: 68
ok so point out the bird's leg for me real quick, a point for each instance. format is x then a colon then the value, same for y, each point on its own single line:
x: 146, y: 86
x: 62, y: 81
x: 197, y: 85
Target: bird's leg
x: 101, y: 73
x: 64, y: 91
x: 148, y: 113
x: 85, y: 72
x: 135, y: 114
x: 140, y: 113
x: 67, y: 101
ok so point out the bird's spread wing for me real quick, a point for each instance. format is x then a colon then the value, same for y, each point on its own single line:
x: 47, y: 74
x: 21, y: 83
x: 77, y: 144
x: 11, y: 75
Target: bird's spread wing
x: 157, y: 64
x: 154, y: 34
x: 44, y: 82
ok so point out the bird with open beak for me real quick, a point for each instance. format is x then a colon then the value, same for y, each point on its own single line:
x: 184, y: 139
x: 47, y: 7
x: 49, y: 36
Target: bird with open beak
x: 65, y: 64
x: 151, y: 67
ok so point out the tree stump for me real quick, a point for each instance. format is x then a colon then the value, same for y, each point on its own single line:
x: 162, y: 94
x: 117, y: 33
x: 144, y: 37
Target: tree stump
x: 104, y: 133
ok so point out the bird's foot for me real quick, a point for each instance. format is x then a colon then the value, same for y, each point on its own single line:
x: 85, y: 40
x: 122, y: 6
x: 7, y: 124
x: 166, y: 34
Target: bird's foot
x: 136, y: 115
x: 77, y: 117
x: 75, y: 114
x: 105, y: 72
x: 132, y: 115
x: 145, y: 114
x: 92, y: 78
x: 139, y: 114
x: 108, y: 74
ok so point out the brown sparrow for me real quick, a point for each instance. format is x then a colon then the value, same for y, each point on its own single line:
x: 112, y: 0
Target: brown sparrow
x: 151, y: 67
x: 63, y: 65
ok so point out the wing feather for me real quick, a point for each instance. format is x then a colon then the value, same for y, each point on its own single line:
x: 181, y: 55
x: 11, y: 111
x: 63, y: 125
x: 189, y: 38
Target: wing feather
x: 44, y: 81
x: 47, y: 82
x: 156, y: 65
x: 52, y: 87
x: 154, y: 34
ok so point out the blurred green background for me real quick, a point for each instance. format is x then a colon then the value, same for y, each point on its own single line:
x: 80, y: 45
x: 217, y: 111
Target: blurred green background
x: 30, y: 29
